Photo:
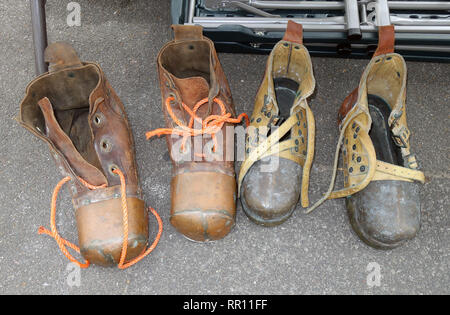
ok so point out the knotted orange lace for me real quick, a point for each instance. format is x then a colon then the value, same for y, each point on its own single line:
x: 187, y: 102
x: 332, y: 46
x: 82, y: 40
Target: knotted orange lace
x: 210, y: 125
x: 62, y: 243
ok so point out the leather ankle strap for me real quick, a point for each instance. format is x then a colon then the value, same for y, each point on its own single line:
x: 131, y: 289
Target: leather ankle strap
x: 294, y: 33
x: 187, y: 32
x: 386, y: 40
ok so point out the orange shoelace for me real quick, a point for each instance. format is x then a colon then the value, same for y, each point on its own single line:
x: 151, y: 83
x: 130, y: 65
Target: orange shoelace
x: 62, y: 243
x: 211, y: 125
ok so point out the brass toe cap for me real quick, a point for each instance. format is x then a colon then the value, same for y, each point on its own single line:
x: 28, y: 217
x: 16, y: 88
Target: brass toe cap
x: 203, y: 205
x: 100, y: 230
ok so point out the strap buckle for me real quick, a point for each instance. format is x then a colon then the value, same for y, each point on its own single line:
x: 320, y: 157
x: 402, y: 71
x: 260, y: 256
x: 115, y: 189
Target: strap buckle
x: 401, y: 134
x: 411, y: 161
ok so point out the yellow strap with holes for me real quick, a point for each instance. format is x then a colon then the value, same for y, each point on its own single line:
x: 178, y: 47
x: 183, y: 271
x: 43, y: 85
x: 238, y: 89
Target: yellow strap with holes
x: 386, y: 171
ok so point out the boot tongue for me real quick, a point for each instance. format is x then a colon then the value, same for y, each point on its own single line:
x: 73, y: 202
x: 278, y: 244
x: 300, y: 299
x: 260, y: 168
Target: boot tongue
x: 64, y: 144
x: 192, y: 90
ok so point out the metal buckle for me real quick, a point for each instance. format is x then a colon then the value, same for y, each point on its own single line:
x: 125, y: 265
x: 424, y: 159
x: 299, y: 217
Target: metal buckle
x: 400, y: 134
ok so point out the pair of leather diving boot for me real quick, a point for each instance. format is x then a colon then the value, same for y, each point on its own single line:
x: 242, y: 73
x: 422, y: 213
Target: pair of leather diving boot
x: 77, y: 113
x: 380, y: 173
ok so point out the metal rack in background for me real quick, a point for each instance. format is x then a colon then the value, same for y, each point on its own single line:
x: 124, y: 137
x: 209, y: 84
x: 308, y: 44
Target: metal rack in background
x: 331, y: 28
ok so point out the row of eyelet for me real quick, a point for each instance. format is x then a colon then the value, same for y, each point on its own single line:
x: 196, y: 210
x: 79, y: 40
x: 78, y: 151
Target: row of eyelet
x: 358, y: 159
x: 105, y: 144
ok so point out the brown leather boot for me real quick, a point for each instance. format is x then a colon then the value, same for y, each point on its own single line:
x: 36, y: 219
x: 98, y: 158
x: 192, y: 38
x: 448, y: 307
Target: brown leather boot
x: 198, y: 108
x: 77, y: 113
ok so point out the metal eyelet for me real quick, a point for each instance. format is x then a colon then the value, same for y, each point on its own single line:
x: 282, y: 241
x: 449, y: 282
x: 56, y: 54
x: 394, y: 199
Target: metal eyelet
x: 112, y: 168
x: 105, y: 145
x: 97, y: 119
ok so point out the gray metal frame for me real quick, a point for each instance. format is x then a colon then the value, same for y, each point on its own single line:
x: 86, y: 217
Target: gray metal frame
x: 39, y: 27
x: 360, y: 16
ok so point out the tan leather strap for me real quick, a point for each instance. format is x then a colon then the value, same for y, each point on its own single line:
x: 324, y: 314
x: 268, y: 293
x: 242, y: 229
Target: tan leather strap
x: 294, y: 33
x: 365, y: 139
x: 279, y: 148
x: 387, y: 171
x: 187, y: 32
x: 386, y: 40
x: 272, y: 146
x: 377, y: 170
x: 61, y: 55
x: 265, y: 146
x: 309, y: 156
x: 367, y: 143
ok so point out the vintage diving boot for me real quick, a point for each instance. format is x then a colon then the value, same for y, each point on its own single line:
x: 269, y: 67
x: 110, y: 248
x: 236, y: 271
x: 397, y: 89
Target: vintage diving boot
x: 281, y: 133
x: 199, y: 114
x: 380, y: 172
x: 76, y: 112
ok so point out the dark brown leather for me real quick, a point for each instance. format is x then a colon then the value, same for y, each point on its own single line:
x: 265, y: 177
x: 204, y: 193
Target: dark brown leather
x: 347, y: 104
x: 76, y: 112
x: 189, y: 71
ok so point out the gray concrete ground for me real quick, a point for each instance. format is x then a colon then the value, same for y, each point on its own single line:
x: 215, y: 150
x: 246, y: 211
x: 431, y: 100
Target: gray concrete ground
x: 315, y: 253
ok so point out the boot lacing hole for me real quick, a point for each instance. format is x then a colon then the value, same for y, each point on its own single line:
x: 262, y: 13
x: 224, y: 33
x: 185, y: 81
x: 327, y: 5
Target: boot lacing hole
x: 105, y: 145
x: 113, y: 168
x: 97, y: 119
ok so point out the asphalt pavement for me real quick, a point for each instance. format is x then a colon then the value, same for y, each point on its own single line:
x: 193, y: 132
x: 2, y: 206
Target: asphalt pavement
x: 309, y: 254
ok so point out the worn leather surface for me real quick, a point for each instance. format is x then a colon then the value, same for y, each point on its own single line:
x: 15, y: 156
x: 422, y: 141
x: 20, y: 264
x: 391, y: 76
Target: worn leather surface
x: 386, y: 213
x: 383, y: 202
x: 203, y: 190
x: 292, y: 142
x: 76, y: 112
x: 105, y: 247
